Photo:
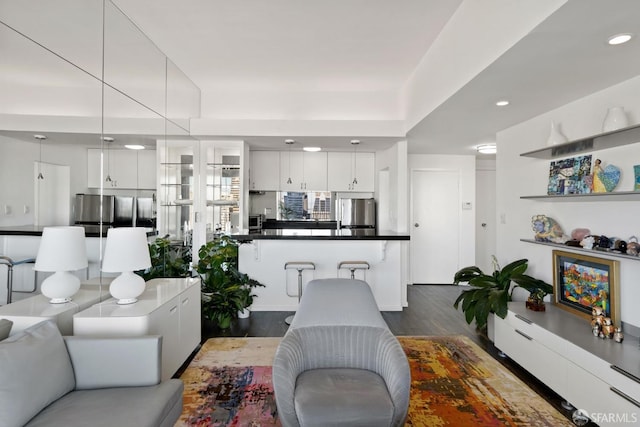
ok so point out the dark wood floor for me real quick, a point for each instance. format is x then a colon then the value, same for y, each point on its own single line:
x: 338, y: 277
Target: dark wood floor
x: 430, y: 312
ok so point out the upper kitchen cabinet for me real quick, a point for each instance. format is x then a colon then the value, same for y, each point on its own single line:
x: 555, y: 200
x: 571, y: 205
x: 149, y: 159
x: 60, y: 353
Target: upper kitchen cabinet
x: 147, y: 166
x: 351, y: 171
x: 123, y: 169
x: 264, y: 172
x: 303, y: 171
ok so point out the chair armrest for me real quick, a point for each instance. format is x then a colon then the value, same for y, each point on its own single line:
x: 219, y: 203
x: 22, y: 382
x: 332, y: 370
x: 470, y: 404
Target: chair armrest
x: 105, y: 362
x: 288, y: 363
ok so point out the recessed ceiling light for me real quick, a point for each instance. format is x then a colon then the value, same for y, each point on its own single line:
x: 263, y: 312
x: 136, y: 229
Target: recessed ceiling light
x: 487, y: 148
x: 502, y: 103
x: 312, y: 149
x: 619, y: 38
x: 40, y: 137
x: 289, y: 141
x: 107, y: 139
x: 355, y: 141
x: 134, y: 147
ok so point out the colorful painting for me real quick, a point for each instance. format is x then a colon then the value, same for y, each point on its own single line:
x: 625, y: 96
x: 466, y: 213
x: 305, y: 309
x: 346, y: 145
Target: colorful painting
x: 570, y: 176
x: 584, y: 282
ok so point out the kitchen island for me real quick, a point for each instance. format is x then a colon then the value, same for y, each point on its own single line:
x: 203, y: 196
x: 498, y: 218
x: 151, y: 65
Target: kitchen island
x: 263, y: 256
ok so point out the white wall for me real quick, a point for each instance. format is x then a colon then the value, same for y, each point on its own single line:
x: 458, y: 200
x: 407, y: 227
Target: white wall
x: 393, y: 216
x: 517, y: 176
x: 466, y: 167
x: 16, y: 175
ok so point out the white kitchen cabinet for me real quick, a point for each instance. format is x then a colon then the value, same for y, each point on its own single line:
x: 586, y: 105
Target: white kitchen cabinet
x: 147, y: 164
x: 349, y: 171
x: 122, y: 166
x: 265, y: 171
x: 308, y: 171
x: 168, y: 307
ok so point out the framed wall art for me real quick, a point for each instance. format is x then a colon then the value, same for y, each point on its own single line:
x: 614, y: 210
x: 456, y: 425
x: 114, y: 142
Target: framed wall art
x: 581, y: 282
x: 570, y: 176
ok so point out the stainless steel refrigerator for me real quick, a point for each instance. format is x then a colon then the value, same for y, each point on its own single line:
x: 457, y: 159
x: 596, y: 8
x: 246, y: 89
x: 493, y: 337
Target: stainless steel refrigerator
x: 357, y: 213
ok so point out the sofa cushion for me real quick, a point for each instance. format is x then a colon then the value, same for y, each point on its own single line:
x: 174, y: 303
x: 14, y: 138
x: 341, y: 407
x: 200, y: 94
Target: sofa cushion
x: 5, y: 328
x: 154, y: 406
x: 342, y: 397
x: 35, y: 370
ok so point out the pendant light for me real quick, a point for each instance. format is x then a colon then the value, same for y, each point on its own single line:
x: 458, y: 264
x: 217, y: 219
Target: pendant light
x: 355, y: 143
x: 108, y: 140
x: 289, y: 142
x: 40, y: 138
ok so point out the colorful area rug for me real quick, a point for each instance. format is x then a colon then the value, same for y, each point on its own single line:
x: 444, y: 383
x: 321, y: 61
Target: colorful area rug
x: 454, y: 383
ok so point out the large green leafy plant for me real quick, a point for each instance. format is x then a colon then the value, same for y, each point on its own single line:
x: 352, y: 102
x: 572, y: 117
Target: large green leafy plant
x: 167, y: 260
x: 225, y: 290
x: 491, y: 293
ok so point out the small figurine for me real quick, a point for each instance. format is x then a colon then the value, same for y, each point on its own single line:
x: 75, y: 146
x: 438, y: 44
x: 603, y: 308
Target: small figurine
x: 618, y: 336
x: 547, y: 229
x: 633, y: 247
x: 608, y: 329
x: 596, y: 330
x: 587, y: 242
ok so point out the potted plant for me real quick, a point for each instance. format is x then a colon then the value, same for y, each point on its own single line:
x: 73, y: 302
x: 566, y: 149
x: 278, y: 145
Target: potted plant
x: 491, y: 293
x: 225, y: 290
x: 167, y: 260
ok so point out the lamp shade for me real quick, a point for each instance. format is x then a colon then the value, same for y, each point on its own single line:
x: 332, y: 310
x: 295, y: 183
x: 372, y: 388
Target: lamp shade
x: 126, y: 250
x: 62, y: 249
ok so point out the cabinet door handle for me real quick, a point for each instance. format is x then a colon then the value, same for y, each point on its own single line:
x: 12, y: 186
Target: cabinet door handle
x: 185, y: 301
x: 625, y: 373
x: 625, y: 396
x: 524, y: 319
x: 173, y: 309
x: 524, y: 335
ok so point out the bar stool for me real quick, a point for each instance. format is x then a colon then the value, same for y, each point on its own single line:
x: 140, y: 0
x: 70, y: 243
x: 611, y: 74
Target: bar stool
x: 352, y: 266
x: 10, y: 263
x: 300, y: 266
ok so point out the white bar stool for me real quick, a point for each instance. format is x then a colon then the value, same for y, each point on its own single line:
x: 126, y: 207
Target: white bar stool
x: 352, y: 266
x: 10, y: 263
x: 300, y: 266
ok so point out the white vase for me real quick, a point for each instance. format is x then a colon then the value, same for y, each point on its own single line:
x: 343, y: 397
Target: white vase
x: 555, y: 136
x: 615, y: 119
x: 244, y: 313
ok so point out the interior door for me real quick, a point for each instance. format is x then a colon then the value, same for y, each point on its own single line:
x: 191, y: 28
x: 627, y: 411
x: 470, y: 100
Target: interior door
x: 435, y: 230
x: 485, y: 218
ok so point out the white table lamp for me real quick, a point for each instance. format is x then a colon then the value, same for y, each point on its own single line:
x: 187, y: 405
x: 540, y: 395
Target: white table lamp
x: 126, y: 251
x: 62, y: 250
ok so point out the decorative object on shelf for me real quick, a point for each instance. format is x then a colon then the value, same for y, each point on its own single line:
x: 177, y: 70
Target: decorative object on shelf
x: 62, y: 250
x: 580, y: 233
x: 615, y: 119
x: 584, y: 283
x: 547, y: 229
x: 618, y: 336
x: 587, y: 242
x: 633, y: 247
x: 225, y: 290
x: 570, y: 176
x: 491, y: 293
x: 126, y: 251
x: 636, y: 171
x: 605, y: 180
x: 555, y: 135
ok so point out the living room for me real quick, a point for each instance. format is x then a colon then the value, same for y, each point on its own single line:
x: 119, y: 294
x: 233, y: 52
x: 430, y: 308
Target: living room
x: 429, y: 132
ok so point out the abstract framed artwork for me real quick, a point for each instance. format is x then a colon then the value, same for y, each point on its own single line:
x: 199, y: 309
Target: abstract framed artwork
x: 582, y: 282
x: 570, y: 176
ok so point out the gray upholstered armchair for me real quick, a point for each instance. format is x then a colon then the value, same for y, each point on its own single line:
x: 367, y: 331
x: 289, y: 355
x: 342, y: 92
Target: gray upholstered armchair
x: 341, y: 375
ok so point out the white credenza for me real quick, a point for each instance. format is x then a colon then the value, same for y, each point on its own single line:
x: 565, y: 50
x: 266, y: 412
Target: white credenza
x: 29, y: 311
x: 601, y: 377
x: 168, y: 307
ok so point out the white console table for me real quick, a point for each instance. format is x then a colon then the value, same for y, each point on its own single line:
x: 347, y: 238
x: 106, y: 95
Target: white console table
x: 599, y: 376
x: 35, y: 309
x: 168, y: 307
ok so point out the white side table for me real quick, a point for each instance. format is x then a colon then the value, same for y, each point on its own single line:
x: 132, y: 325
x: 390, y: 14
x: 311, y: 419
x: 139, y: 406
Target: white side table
x: 169, y: 307
x: 32, y: 310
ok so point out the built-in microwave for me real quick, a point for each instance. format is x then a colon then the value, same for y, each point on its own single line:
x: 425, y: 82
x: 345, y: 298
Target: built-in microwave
x: 255, y: 222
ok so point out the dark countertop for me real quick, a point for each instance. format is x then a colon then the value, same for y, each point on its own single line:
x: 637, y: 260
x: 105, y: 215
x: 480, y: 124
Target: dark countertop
x: 36, y: 230
x: 319, y: 234
x: 297, y: 224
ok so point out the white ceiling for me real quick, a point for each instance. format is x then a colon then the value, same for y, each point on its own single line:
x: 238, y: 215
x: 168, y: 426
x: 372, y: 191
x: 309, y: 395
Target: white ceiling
x: 372, y: 46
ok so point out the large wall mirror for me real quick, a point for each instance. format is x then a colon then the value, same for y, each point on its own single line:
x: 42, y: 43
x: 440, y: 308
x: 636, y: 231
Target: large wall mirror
x: 88, y: 96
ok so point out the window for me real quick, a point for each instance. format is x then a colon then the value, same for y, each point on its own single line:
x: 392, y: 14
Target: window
x: 315, y: 205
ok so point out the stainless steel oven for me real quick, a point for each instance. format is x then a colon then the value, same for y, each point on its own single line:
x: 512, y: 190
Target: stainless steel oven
x: 255, y: 223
